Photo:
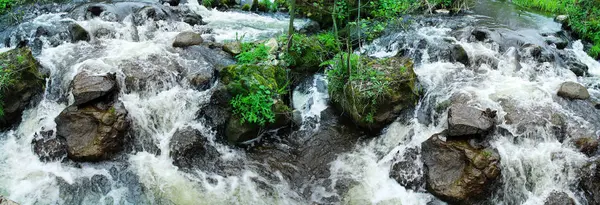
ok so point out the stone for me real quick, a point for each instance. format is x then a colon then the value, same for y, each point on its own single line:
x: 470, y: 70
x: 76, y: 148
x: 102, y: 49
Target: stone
x: 193, y: 19
x: 558, y: 42
x: 480, y: 34
x: 94, y: 132
x: 561, y: 18
x: 78, y: 33
x: 273, y: 45
x: 189, y: 148
x: 442, y: 11
x: 587, y: 145
x: 572, y: 62
x: 238, y: 132
x: 458, y: 173
x: 86, y: 87
x: 170, y: 2
x: 186, y: 39
x: 48, y: 147
x: 28, y: 85
x: 234, y: 48
x: 559, y: 198
x: 5, y: 201
x: 590, y: 182
x: 460, y: 55
x: 465, y: 121
x: 408, y: 171
x: 573, y: 91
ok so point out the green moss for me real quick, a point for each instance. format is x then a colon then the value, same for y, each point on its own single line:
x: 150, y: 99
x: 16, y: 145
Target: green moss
x: 246, y: 7
x: 308, y: 52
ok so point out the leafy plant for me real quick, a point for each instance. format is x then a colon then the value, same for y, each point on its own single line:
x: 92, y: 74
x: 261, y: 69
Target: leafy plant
x: 207, y: 3
x: 253, y: 53
x: 5, y: 5
x: 255, y: 107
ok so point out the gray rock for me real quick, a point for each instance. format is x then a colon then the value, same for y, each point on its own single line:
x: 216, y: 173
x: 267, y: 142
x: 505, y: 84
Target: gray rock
x: 193, y: 19
x: 570, y: 61
x: 78, y: 33
x: 559, y: 198
x: 558, y: 42
x: 561, y: 18
x: 460, y: 55
x: 5, y: 201
x: 590, y: 182
x: 310, y: 27
x: 238, y: 132
x: 94, y: 132
x: 186, y: 39
x: 86, y: 87
x: 458, y: 173
x: 233, y: 48
x: 49, y: 147
x: 170, y: 2
x: 481, y: 34
x: 407, y: 172
x: 465, y: 121
x: 189, y: 148
x: 572, y: 90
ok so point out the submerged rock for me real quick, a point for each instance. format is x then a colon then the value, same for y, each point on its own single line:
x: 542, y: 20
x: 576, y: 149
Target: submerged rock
x: 572, y: 90
x: 94, y: 132
x: 465, y: 121
x: 189, y: 148
x: 460, y: 55
x: 589, y: 183
x: 458, y: 173
x: 408, y: 171
x: 26, y: 84
x: 587, y: 145
x: 49, y: 147
x: 78, y: 33
x: 186, y: 39
x: 88, y: 87
x: 559, y: 198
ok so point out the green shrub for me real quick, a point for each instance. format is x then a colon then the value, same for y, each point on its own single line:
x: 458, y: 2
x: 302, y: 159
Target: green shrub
x: 207, y: 3
x: 253, y: 53
x: 307, y: 52
x: 255, y: 88
x: 5, y: 5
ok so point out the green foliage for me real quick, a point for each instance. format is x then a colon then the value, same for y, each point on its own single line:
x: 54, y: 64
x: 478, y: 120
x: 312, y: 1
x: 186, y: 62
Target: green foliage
x: 255, y: 107
x: 307, y: 52
x: 207, y: 3
x: 367, y: 85
x: 584, y: 17
x: 389, y: 9
x: 253, y: 53
x: 6, y: 80
x: 5, y: 5
x: 255, y: 88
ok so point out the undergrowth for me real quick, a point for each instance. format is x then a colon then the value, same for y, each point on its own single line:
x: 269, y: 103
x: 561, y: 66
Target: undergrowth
x: 584, y: 17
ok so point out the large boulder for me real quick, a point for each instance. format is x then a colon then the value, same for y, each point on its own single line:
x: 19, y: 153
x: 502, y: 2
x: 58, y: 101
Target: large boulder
x: 465, y: 121
x: 187, y: 39
x: 94, y: 132
x: 87, y: 87
x: 189, y: 148
x: 559, y: 198
x: 573, y: 91
x: 460, y: 55
x: 25, y: 82
x: 49, y: 147
x: 355, y: 97
x: 458, y: 173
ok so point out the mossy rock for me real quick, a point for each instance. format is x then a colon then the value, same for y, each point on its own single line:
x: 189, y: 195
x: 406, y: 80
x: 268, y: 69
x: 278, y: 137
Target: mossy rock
x: 24, y: 84
x: 307, y: 53
x: 245, y: 79
x: 241, y: 79
x: 355, y: 99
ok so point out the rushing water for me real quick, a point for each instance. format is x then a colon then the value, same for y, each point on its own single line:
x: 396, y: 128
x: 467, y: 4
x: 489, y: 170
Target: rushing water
x: 534, y: 162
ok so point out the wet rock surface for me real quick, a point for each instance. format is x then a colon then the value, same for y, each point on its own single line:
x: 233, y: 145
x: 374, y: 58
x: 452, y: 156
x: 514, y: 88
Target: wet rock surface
x: 457, y: 172
x: 5, y: 201
x: 574, y: 91
x: 87, y: 87
x: 190, y: 148
x: 408, y: 170
x: 49, y: 147
x: 465, y: 121
x: 186, y: 39
x: 559, y: 198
